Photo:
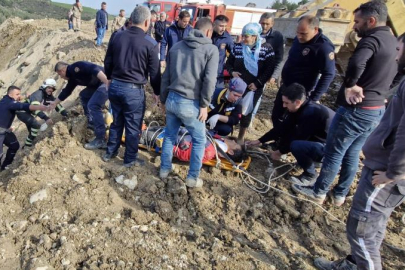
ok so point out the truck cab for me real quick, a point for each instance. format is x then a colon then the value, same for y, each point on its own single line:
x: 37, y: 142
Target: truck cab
x: 198, y: 11
x: 171, y: 8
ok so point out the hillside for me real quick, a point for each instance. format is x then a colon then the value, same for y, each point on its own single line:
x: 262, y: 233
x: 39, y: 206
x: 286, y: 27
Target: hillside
x: 38, y: 9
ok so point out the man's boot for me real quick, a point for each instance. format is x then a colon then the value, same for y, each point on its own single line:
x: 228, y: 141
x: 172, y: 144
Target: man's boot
x: 241, y: 136
x: 96, y: 144
x: 342, y: 264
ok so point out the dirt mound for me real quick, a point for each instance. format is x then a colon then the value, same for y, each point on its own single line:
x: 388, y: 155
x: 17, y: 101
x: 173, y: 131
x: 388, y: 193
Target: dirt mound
x: 61, y: 207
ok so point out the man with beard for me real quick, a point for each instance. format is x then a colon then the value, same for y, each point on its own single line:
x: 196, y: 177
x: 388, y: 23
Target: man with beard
x: 381, y: 187
x: 369, y: 75
x: 223, y: 40
x: 173, y: 34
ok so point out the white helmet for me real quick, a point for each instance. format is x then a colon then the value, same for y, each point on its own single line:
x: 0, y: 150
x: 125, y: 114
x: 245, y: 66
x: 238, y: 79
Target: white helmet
x: 49, y: 83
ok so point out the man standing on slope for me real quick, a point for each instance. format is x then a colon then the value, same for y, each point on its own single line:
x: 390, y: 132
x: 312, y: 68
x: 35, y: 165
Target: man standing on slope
x: 77, y: 10
x: 369, y: 74
x: 101, y: 23
x: 187, y: 87
x: 381, y: 188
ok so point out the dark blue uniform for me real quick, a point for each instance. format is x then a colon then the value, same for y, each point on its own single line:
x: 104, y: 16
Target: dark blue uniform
x: 172, y: 35
x: 220, y: 105
x: 225, y: 44
x: 304, y: 134
x: 131, y: 58
x: 8, y: 108
x: 306, y: 61
x: 276, y: 40
x: 93, y: 97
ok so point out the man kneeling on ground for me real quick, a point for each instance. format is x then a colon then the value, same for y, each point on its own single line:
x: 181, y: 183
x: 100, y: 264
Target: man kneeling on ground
x: 225, y: 110
x: 302, y: 132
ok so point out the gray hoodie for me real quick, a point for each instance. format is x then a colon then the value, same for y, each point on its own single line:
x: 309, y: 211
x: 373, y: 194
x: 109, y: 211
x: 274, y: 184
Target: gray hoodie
x: 385, y: 147
x: 191, y: 69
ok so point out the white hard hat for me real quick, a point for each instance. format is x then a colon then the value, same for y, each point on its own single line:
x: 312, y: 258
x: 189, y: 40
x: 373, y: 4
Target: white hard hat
x: 49, y: 83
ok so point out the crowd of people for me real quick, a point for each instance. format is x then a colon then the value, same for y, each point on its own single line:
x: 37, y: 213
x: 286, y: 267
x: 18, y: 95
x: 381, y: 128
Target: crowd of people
x: 193, y: 95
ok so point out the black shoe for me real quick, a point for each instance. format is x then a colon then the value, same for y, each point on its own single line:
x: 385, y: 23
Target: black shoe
x: 107, y: 157
x: 90, y: 126
x: 137, y: 162
x: 304, y: 179
x: 96, y: 144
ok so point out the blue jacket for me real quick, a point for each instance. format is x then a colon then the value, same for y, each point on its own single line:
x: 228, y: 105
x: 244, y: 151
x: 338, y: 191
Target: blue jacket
x: 8, y: 108
x: 81, y: 73
x: 310, y: 123
x: 306, y: 61
x: 132, y: 56
x: 172, y: 35
x: 225, y: 44
x: 102, y: 19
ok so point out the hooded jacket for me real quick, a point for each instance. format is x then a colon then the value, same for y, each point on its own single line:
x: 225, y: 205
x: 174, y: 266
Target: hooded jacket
x: 172, y: 35
x: 192, y: 67
x: 385, y: 148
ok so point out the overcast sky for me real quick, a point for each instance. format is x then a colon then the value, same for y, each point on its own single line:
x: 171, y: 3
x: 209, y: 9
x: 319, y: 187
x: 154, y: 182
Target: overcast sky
x: 114, y: 6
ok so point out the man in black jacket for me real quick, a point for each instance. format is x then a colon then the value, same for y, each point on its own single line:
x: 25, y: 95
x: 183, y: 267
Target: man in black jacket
x: 9, y: 105
x: 276, y: 40
x: 381, y: 188
x: 369, y: 74
x: 303, y: 131
x: 160, y: 27
x: 128, y: 65
x: 311, y: 54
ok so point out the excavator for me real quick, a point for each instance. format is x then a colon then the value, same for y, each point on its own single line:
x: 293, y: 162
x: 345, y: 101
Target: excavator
x: 336, y: 21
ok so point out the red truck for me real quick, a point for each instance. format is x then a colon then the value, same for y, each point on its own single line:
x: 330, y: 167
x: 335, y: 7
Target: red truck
x: 172, y: 9
x: 238, y: 16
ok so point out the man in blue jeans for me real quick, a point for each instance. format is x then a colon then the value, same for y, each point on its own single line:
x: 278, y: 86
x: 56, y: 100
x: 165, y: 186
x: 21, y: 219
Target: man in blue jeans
x: 369, y: 74
x: 381, y: 187
x: 101, y: 23
x: 93, y: 97
x: 187, y: 87
x: 302, y: 132
x: 129, y: 64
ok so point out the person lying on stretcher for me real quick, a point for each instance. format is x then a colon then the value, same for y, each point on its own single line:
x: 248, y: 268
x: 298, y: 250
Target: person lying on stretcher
x: 152, y: 137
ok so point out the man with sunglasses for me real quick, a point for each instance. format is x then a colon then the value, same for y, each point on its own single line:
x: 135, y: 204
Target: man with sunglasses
x: 42, y: 96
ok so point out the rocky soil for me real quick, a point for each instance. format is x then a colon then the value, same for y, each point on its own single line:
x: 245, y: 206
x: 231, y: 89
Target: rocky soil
x: 62, y: 207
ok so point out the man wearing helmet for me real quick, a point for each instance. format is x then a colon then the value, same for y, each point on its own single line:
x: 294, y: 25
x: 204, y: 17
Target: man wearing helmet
x: 42, y: 96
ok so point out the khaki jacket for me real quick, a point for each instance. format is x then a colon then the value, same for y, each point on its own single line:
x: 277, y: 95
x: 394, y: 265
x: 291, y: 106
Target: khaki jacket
x: 77, y: 11
x: 118, y: 22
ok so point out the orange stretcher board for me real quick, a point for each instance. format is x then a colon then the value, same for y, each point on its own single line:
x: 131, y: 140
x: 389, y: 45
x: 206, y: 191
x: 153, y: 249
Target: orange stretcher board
x: 224, y: 165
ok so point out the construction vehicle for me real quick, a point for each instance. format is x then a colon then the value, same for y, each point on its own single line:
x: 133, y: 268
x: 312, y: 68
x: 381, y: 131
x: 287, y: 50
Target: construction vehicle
x: 336, y: 22
x: 238, y: 16
x: 171, y: 9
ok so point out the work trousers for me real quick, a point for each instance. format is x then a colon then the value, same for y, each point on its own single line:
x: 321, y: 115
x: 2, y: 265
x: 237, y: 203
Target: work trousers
x: 10, y: 140
x: 368, y: 217
x: 76, y: 23
x: 93, y: 102
x: 32, y: 125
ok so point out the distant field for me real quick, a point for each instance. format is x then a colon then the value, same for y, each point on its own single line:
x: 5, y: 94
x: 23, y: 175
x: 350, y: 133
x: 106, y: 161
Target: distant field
x: 39, y: 9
